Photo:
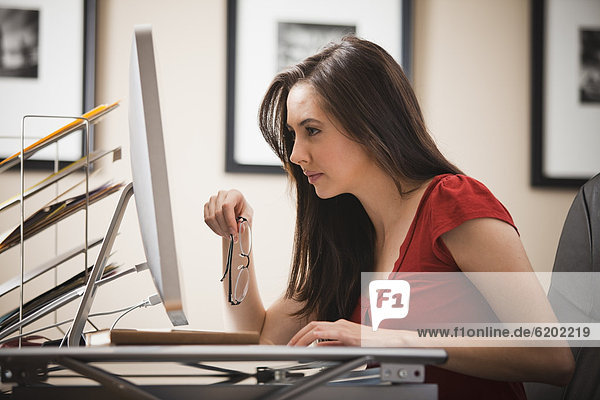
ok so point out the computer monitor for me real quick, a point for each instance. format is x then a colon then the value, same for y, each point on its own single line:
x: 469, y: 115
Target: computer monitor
x: 150, y: 180
x: 150, y: 188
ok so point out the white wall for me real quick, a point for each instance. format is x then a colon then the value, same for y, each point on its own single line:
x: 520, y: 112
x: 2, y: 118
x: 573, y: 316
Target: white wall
x: 472, y: 78
x: 190, y: 42
x: 471, y: 73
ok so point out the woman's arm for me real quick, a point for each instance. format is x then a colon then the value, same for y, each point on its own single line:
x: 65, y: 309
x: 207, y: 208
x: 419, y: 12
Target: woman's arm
x: 275, y: 325
x: 280, y: 324
x: 478, y: 245
x: 491, y: 245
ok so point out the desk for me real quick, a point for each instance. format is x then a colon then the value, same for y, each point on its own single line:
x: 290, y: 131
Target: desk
x: 401, y: 372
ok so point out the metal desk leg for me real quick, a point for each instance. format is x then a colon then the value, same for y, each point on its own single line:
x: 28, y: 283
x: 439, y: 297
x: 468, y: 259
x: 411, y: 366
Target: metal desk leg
x: 111, y: 382
x: 317, y: 379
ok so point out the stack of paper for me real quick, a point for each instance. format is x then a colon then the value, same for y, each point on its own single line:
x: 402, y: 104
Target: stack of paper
x: 53, y: 213
x: 47, y: 297
x: 92, y: 116
x: 55, y: 177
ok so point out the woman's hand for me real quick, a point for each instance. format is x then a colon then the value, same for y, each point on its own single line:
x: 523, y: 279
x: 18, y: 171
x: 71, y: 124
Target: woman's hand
x: 340, y: 333
x: 221, y: 210
x: 346, y: 333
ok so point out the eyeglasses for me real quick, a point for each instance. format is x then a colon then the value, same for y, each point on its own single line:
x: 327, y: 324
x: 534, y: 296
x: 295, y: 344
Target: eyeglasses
x: 242, y: 280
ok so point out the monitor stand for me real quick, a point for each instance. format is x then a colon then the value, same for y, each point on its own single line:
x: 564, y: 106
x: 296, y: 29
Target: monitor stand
x: 76, y: 330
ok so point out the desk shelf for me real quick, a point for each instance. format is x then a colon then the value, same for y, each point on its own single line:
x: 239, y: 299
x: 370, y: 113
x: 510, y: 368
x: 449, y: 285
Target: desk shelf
x: 28, y: 227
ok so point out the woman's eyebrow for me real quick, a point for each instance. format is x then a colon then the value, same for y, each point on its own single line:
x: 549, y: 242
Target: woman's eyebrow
x: 303, y: 122
x: 308, y: 121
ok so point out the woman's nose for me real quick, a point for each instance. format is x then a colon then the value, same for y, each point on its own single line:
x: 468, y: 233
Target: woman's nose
x: 299, y: 154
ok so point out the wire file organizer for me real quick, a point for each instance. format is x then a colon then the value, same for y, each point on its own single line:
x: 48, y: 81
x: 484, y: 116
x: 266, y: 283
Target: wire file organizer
x: 78, y: 124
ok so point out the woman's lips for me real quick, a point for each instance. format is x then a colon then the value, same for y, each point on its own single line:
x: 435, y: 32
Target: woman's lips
x: 313, y: 177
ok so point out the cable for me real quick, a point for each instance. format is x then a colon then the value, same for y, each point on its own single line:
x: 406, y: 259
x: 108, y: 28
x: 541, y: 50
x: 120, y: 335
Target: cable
x: 66, y: 322
x: 64, y: 338
x: 124, y: 314
x: 92, y: 324
x: 150, y: 301
x: 62, y: 323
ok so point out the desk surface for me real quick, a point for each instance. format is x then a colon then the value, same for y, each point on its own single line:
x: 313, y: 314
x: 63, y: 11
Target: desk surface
x: 226, y: 353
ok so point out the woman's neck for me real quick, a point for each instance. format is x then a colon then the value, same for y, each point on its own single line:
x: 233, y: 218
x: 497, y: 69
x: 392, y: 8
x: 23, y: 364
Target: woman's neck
x: 386, y: 207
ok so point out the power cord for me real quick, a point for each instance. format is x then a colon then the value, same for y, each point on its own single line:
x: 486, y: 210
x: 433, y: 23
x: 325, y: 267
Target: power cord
x: 150, y: 301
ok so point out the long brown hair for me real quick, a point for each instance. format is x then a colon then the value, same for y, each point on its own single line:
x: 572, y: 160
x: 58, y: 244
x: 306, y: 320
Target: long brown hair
x: 362, y: 87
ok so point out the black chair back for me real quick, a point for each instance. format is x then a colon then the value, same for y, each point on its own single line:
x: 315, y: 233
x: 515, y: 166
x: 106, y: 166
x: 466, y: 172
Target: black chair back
x: 577, y: 299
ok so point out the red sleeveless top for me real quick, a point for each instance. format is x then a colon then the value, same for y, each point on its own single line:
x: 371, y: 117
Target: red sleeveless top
x: 449, y: 201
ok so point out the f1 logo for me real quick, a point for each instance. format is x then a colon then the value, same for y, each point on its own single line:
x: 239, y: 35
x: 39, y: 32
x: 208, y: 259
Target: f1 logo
x: 389, y: 299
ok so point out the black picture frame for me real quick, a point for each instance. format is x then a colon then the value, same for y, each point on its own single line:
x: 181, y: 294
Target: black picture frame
x: 232, y: 164
x: 87, y: 97
x: 540, y: 137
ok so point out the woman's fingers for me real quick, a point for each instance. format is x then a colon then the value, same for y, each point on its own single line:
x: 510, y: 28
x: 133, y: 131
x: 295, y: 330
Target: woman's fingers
x: 307, y: 335
x: 340, y: 332
x: 209, y: 216
x: 222, y: 209
x: 314, y: 330
x: 221, y: 206
x: 330, y: 343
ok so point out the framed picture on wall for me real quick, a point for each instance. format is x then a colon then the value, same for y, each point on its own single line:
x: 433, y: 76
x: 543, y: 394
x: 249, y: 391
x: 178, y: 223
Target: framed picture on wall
x: 565, y: 118
x: 46, y: 68
x: 265, y: 36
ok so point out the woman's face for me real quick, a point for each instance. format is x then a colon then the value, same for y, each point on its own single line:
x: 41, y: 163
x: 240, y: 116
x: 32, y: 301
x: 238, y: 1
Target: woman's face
x: 333, y: 162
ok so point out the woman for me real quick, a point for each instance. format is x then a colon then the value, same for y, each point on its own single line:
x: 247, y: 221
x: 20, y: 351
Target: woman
x: 374, y: 194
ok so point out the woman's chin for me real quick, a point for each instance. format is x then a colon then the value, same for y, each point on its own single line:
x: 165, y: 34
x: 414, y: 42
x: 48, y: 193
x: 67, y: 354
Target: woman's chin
x: 324, y: 195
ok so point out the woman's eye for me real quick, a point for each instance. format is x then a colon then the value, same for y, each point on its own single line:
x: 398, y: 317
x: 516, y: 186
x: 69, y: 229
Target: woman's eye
x: 312, y: 131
